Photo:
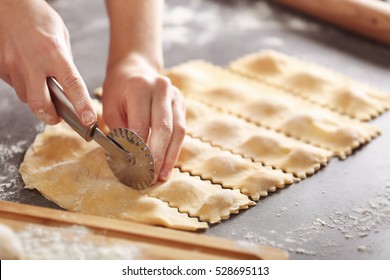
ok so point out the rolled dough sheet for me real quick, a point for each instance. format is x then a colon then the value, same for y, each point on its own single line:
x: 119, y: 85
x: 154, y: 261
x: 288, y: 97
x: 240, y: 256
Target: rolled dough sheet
x: 270, y: 107
x: 315, y: 83
x: 74, y: 174
x: 251, y: 141
x: 230, y: 170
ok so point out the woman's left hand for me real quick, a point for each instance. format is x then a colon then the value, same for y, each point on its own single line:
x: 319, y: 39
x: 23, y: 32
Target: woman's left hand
x: 138, y: 97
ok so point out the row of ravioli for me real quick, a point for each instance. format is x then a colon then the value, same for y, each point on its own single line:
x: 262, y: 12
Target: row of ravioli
x: 314, y: 83
x: 248, y: 136
x: 247, y: 139
x: 254, y: 137
x: 268, y: 107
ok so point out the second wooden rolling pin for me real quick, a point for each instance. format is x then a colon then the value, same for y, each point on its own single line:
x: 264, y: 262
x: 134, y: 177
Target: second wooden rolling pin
x: 370, y: 18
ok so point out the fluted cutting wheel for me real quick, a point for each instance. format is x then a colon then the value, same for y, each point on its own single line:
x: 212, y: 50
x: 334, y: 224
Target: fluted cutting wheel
x: 137, y: 170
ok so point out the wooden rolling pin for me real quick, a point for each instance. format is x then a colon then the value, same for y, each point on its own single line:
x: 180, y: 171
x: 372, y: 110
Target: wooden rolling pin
x: 157, y: 242
x: 370, y: 18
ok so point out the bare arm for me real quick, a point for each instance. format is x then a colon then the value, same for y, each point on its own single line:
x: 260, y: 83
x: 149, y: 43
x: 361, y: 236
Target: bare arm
x: 136, y: 95
x: 135, y: 31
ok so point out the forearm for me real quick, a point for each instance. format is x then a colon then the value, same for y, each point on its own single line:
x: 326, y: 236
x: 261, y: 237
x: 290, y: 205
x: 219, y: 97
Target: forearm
x: 135, y: 31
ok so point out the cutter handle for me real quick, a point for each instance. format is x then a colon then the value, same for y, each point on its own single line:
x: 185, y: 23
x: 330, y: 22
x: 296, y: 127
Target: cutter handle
x: 66, y: 111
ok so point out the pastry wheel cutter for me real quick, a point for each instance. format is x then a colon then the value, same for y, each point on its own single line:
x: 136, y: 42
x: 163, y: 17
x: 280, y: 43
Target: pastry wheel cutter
x: 127, y: 155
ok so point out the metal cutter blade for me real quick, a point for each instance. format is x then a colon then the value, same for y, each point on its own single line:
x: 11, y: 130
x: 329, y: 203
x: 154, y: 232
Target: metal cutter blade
x: 137, y: 169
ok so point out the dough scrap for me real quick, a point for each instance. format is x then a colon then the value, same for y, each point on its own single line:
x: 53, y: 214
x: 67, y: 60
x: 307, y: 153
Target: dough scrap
x: 11, y: 248
x: 272, y: 108
x: 262, y: 145
x: 230, y: 170
x: 315, y: 83
x: 74, y: 174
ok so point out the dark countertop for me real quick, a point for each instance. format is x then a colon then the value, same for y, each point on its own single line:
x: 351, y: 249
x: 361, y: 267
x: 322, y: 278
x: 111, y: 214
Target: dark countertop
x: 342, y: 212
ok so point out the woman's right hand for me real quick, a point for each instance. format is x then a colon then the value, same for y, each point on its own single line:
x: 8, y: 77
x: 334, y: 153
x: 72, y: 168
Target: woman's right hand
x: 34, y: 44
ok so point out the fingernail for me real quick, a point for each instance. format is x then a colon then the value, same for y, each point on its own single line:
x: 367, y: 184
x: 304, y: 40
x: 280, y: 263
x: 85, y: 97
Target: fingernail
x: 87, y: 117
x: 165, y: 174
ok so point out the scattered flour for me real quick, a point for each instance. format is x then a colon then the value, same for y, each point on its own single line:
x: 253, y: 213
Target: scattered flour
x: 272, y: 42
x: 354, y: 225
x: 9, y: 184
x: 70, y: 243
x: 363, y: 248
x: 9, y: 151
x: 198, y: 24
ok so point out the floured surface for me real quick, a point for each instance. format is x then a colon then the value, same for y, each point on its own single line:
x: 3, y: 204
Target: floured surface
x: 271, y: 108
x: 254, y: 142
x: 74, y: 174
x: 72, y: 243
x: 314, y: 82
x: 230, y: 170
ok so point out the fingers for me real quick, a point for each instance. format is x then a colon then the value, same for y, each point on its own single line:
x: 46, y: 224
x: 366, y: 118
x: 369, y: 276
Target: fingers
x: 76, y: 91
x: 153, y: 108
x: 138, y: 109
x: 35, y: 92
x: 161, y: 125
x: 19, y: 86
x: 39, y: 100
x: 178, y: 133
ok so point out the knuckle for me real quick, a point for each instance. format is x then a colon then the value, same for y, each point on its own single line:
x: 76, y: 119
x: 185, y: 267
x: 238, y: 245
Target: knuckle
x: 180, y: 129
x: 37, y: 105
x: 163, y: 83
x: 51, y: 46
x: 81, y: 104
x: 139, y: 82
x: 72, y: 81
x: 42, y: 110
x: 140, y: 124
x: 10, y: 60
x: 165, y: 128
x: 140, y: 127
x: 9, y: 57
x: 158, y: 159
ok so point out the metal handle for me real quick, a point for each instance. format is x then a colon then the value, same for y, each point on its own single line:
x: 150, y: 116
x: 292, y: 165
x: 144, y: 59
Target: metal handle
x: 66, y: 111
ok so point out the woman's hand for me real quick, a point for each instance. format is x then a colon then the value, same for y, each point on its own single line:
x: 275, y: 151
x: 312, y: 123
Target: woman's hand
x: 34, y: 44
x: 138, y: 97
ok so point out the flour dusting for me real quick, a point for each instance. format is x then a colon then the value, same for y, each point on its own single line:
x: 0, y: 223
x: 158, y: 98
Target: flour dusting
x: 196, y: 23
x: 70, y: 243
x: 9, y: 173
x: 354, y: 225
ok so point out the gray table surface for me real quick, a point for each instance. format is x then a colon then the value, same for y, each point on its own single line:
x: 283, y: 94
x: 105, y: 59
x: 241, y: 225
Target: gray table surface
x: 342, y: 212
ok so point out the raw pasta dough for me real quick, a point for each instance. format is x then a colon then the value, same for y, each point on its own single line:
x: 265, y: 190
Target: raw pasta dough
x: 271, y: 108
x: 74, y: 174
x: 314, y: 82
x: 229, y: 170
x: 254, y: 142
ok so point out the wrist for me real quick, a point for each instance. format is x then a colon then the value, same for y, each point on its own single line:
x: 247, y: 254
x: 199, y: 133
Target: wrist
x: 136, y: 60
